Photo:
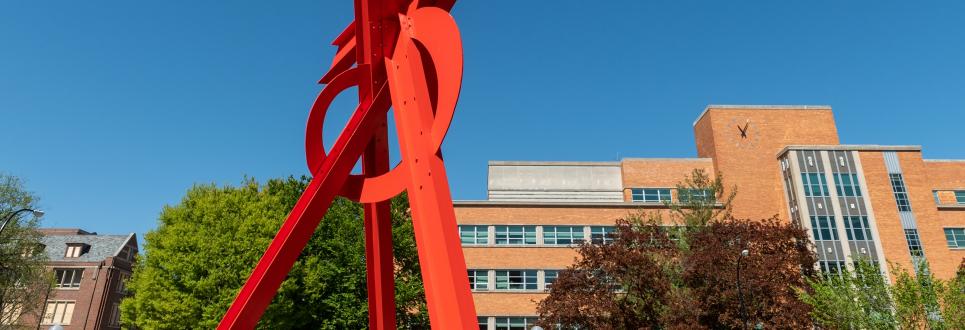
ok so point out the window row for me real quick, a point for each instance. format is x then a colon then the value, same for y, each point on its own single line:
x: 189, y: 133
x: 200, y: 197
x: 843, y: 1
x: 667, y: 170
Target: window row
x: 665, y: 195
x: 506, y: 323
x: 511, y: 279
x: 534, y: 235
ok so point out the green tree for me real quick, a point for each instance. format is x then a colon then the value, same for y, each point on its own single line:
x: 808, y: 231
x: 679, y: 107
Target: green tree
x: 953, y: 300
x: 196, y: 261
x: 858, y: 299
x: 917, y: 298
x: 23, y: 276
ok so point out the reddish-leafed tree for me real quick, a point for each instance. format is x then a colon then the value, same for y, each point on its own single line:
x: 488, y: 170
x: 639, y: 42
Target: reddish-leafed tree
x: 779, y: 259
x: 620, y: 285
x: 684, y: 276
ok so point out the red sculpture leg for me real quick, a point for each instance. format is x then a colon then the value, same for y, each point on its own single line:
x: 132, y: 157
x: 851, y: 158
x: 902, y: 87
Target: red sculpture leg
x: 379, y: 259
x: 437, y: 237
x: 311, y: 207
x: 393, y: 42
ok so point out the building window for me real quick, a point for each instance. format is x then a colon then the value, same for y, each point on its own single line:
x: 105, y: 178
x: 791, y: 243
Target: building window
x: 75, y: 250
x: 650, y: 195
x: 815, y: 185
x: 127, y: 253
x: 479, y: 279
x: 474, y: 235
x: 516, y: 280
x: 483, y: 322
x: 515, y: 235
x: 847, y: 184
x: 960, y: 196
x: 58, y: 312
x: 857, y: 228
x: 562, y: 235
x: 68, y: 278
x: 115, y: 320
x: 549, y: 277
x: 696, y: 195
x: 955, y: 237
x: 122, y: 283
x: 515, y: 323
x: 824, y: 228
x: 601, y: 234
x: 831, y: 266
x: 914, y: 243
x: 901, y: 194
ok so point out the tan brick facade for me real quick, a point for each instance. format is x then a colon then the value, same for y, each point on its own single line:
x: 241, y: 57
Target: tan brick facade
x: 744, y: 144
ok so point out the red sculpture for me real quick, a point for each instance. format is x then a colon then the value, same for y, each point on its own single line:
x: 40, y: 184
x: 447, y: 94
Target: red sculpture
x: 408, y: 55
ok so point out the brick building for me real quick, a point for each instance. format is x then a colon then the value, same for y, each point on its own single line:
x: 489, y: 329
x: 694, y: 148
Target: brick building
x: 882, y: 202
x: 89, y: 271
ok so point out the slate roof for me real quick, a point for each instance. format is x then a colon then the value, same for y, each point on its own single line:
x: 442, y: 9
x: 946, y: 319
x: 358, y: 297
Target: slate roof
x: 101, y: 246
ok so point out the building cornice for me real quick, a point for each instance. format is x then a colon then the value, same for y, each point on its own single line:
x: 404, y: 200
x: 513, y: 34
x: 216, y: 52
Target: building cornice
x: 668, y: 160
x: 760, y: 107
x: 617, y: 205
x: 849, y: 147
x: 549, y: 163
x: 543, y: 204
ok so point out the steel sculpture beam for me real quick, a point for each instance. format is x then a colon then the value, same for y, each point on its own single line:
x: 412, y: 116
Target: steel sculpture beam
x: 404, y: 54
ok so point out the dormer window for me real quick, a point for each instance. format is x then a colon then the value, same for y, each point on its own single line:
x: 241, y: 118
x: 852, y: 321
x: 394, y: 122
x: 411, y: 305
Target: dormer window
x: 75, y: 250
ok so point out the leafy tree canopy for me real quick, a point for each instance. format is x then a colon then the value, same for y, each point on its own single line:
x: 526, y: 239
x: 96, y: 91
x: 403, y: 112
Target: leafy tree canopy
x: 23, y: 276
x: 195, y: 262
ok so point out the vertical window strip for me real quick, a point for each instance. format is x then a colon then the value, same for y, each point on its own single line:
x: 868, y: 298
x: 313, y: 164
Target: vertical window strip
x: 815, y: 184
x: 831, y: 266
x: 901, y: 193
x: 857, y: 228
x: 824, y: 228
x: 483, y: 322
x: 846, y: 184
x: 914, y: 243
x: 960, y: 196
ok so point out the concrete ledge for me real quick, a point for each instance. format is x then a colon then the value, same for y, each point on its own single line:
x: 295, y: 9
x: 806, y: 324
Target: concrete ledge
x: 951, y: 207
x: 944, y: 160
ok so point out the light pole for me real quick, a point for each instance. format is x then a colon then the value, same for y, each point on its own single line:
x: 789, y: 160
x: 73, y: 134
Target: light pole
x: 37, y: 213
x: 740, y: 294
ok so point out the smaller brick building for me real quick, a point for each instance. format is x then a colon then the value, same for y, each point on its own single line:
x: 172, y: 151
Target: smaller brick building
x: 90, y: 271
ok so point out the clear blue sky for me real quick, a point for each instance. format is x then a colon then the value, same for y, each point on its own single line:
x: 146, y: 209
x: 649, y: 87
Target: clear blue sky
x: 112, y: 109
